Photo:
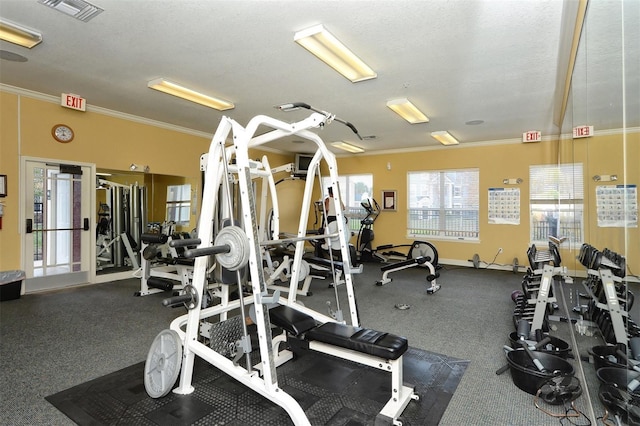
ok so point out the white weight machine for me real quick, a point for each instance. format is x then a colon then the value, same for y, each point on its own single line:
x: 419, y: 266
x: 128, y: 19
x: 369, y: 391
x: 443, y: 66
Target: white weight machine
x: 122, y: 217
x: 161, y: 269
x: 173, y: 352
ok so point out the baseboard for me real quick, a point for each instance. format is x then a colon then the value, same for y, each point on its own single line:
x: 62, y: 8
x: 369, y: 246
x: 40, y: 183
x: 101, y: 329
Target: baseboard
x: 103, y: 278
x: 503, y: 267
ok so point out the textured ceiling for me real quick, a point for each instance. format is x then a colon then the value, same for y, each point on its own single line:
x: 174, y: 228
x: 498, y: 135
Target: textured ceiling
x: 494, y: 60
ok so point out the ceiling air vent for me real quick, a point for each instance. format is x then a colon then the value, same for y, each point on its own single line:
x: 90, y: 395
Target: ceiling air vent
x: 78, y: 9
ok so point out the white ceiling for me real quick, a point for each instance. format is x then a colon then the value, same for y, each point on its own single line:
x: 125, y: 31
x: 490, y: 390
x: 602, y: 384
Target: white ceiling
x: 492, y: 60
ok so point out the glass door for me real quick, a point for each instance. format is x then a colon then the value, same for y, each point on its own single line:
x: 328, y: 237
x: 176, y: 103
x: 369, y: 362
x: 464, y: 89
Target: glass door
x: 56, y: 234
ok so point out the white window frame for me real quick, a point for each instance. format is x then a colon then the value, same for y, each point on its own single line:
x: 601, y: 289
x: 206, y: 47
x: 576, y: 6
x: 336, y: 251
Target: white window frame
x: 556, y: 202
x: 179, y: 199
x: 419, y: 217
x: 354, y: 211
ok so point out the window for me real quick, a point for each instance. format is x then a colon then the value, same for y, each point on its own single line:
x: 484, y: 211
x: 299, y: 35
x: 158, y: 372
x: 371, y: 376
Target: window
x: 556, y: 202
x: 354, y: 189
x: 179, y: 204
x: 444, y: 204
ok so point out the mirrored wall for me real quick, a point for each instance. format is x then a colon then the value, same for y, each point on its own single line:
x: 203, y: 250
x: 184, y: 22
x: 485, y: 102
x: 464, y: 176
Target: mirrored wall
x: 130, y: 203
x: 605, y: 94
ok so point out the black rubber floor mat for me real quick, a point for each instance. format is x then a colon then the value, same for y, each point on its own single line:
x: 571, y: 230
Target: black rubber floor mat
x: 330, y: 390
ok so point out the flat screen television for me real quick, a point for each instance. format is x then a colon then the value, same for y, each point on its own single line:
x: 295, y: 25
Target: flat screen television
x: 302, y: 163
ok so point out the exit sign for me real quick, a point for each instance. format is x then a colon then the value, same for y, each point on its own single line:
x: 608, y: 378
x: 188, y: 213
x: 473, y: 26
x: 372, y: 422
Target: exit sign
x: 532, y: 136
x: 72, y: 101
x: 582, y: 131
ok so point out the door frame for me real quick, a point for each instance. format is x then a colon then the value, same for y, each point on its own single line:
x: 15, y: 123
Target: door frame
x: 91, y: 201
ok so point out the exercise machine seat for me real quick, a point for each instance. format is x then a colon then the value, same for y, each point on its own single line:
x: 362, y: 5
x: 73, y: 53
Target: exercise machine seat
x: 291, y: 320
x: 376, y: 343
x: 337, y: 259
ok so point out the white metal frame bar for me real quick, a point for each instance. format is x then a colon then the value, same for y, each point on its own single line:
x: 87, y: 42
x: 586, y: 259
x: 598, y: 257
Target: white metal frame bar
x: 401, y: 395
x: 243, y: 140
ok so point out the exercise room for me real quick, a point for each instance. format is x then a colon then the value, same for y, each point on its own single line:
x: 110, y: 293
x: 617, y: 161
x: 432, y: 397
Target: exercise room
x: 375, y: 212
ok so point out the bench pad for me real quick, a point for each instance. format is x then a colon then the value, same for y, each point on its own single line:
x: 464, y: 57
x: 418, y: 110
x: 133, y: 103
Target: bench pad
x: 376, y: 343
x: 321, y: 261
x: 291, y: 320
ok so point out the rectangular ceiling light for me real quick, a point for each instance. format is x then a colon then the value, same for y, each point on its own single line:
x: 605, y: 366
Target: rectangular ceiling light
x: 174, y: 89
x: 17, y: 34
x: 444, y: 138
x: 347, y: 147
x: 79, y: 9
x: 405, y: 109
x: 331, y: 51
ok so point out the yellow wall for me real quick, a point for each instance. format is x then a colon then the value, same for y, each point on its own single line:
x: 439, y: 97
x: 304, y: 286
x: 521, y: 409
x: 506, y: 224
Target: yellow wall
x: 114, y: 143
x: 600, y: 155
x: 495, y: 163
x: 9, y: 165
x: 604, y: 156
x: 107, y: 141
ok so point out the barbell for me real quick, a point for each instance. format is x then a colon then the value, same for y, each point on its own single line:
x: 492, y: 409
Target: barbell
x: 231, y: 246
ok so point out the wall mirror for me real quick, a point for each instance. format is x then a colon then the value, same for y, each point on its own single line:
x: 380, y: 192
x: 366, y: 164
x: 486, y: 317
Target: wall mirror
x: 129, y: 203
x: 605, y: 93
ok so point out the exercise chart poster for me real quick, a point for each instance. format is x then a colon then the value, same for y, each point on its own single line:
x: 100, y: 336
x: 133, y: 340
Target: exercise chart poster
x: 504, y: 206
x: 617, y: 206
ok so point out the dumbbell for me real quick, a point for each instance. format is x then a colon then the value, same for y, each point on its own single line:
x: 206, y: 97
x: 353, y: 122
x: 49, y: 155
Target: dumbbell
x: 596, y: 260
x: 582, y: 255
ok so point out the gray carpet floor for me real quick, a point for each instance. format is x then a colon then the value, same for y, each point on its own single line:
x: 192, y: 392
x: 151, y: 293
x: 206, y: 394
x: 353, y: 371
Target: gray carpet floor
x: 53, y: 341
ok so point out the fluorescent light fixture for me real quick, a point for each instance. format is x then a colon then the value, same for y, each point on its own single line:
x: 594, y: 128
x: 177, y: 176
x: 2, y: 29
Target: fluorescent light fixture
x: 174, y: 89
x: 136, y: 168
x: 512, y: 181
x: 331, y: 51
x: 347, y: 147
x: 605, y: 178
x: 444, y: 138
x: 17, y: 34
x: 79, y: 9
x: 405, y: 109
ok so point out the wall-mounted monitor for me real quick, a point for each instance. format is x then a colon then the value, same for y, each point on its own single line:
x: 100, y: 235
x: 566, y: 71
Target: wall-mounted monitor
x: 302, y: 164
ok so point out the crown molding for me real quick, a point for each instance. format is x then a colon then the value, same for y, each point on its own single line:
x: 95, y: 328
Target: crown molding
x: 124, y: 116
x: 104, y: 111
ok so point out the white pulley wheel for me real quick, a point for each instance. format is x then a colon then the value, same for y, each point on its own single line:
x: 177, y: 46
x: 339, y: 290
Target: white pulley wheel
x: 162, y: 367
x: 236, y: 239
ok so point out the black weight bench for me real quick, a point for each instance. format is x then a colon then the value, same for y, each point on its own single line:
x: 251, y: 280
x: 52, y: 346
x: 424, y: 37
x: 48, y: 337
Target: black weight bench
x: 326, y: 263
x: 361, y: 345
x: 371, y: 342
x: 321, y: 261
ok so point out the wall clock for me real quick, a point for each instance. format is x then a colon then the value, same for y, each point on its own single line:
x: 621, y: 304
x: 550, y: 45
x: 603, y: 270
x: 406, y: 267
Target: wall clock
x: 62, y: 133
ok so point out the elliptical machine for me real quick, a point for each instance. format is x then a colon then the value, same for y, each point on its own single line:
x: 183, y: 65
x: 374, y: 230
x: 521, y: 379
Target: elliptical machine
x: 366, y: 235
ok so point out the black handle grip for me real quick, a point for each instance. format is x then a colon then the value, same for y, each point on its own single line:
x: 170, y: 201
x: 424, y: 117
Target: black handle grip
x: 176, y: 300
x: 502, y: 369
x: 29, y: 226
x: 543, y: 342
x: 184, y: 242
x: 536, y: 361
x: 622, y: 356
x: 206, y: 251
x: 524, y: 328
x: 149, y: 238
